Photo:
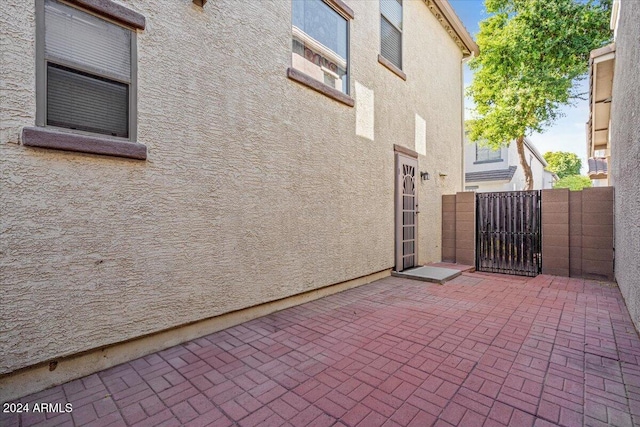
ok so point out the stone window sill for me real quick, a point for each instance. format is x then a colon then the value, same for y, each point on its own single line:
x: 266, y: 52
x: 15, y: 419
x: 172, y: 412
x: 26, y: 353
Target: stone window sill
x: 395, y: 70
x: 47, y: 138
x: 114, y: 11
x: 487, y: 161
x: 320, y: 87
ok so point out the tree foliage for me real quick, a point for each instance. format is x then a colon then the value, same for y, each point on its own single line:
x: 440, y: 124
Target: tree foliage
x: 563, y: 163
x: 573, y: 182
x: 531, y: 52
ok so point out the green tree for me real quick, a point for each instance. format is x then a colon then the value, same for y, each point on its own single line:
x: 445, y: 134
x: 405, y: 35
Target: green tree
x: 573, y: 182
x: 563, y: 163
x: 531, y: 52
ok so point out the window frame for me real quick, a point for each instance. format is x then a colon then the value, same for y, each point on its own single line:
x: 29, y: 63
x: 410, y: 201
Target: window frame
x: 301, y: 77
x: 48, y: 136
x: 384, y: 60
x: 499, y: 151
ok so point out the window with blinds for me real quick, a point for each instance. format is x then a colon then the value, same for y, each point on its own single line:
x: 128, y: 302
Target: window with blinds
x: 87, y: 64
x: 391, y: 31
x: 320, y: 43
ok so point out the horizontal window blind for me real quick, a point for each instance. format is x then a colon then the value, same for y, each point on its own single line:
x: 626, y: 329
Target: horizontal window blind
x: 74, y: 37
x: 80, y: 101
x: 390, y: 42
x: 392, y: 10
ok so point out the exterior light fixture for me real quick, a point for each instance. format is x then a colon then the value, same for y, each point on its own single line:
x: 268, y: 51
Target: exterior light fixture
x: 200, y: 3
x: 424, y: 176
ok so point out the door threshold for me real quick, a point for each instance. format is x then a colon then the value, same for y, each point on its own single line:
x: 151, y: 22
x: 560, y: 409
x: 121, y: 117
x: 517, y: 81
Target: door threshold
x: 428, y: 274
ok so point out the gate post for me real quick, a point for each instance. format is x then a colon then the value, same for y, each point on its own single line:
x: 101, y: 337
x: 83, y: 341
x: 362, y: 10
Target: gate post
x: 466, y: 228
x: 597, y: 233
x: 555, y: 232
x: 449, y: 228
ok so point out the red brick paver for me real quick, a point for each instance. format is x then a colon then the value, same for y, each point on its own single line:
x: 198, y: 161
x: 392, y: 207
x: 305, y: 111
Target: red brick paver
x: 483, y: 349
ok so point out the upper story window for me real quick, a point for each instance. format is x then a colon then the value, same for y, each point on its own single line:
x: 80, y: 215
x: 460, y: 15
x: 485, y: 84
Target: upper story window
x: 391, y: 31
x: 486, y: 154
x: 87, y: 71
x: 86, y: 78
x: 321, y: 43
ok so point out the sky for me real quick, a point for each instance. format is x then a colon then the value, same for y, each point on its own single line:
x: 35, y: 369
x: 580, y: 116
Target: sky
x: 568, y: 132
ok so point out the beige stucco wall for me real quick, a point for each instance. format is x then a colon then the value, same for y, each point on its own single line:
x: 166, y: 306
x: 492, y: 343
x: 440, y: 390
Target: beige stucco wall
x: 255, y: 187
x: 625, y: 156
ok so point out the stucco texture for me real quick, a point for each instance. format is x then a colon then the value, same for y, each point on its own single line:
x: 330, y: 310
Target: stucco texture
x: 625, y: 156
x: 255, y: 187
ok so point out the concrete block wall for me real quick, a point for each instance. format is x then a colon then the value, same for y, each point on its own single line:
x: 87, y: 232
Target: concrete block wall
x: 465, y: 229
x: 449, y: 228
x: 555, y: 232
x: 577, y: 232
x: 597, y: 233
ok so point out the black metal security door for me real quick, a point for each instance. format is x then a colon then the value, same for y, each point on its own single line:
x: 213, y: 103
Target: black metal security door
x: 508, y: 233
x: 406, y: 212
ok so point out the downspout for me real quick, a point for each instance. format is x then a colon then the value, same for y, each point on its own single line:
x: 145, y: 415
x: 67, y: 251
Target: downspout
x: 462, y: 62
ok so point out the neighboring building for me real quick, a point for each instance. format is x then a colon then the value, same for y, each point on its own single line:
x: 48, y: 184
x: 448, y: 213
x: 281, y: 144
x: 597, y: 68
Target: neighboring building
x: 500, y: 170
x: 601, y: 66
x: 168, y: 169
x: 619, y: 88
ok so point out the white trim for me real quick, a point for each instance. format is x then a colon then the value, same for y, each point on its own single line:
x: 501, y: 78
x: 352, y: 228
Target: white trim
x: 607, y: 57
x: 615, y: 17
x: 317, y: 46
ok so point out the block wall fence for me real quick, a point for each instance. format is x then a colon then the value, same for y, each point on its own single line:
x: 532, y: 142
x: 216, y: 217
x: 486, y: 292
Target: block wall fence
x: 577, y: 231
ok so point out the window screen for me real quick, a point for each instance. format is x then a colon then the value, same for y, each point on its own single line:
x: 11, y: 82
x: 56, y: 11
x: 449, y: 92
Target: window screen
x: 88, y: 69
x: 391, y: 31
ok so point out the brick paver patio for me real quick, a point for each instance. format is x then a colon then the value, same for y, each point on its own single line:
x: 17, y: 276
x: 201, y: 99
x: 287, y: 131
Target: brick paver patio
x: 482, y: 350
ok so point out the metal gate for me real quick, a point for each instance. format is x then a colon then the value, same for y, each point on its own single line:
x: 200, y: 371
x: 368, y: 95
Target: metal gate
x: 406, y: 212
x: 508, y: 233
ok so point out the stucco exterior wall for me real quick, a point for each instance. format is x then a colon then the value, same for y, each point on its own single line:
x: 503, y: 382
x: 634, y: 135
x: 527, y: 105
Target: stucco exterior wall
x: 255, y: 187
x: 625, y: 156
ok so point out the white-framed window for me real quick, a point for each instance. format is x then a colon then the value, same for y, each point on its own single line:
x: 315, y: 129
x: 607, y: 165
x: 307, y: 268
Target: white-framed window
x: 487, y: 154
x: 391, y: 31
x: 320, y: 42
x: 86, y: 72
